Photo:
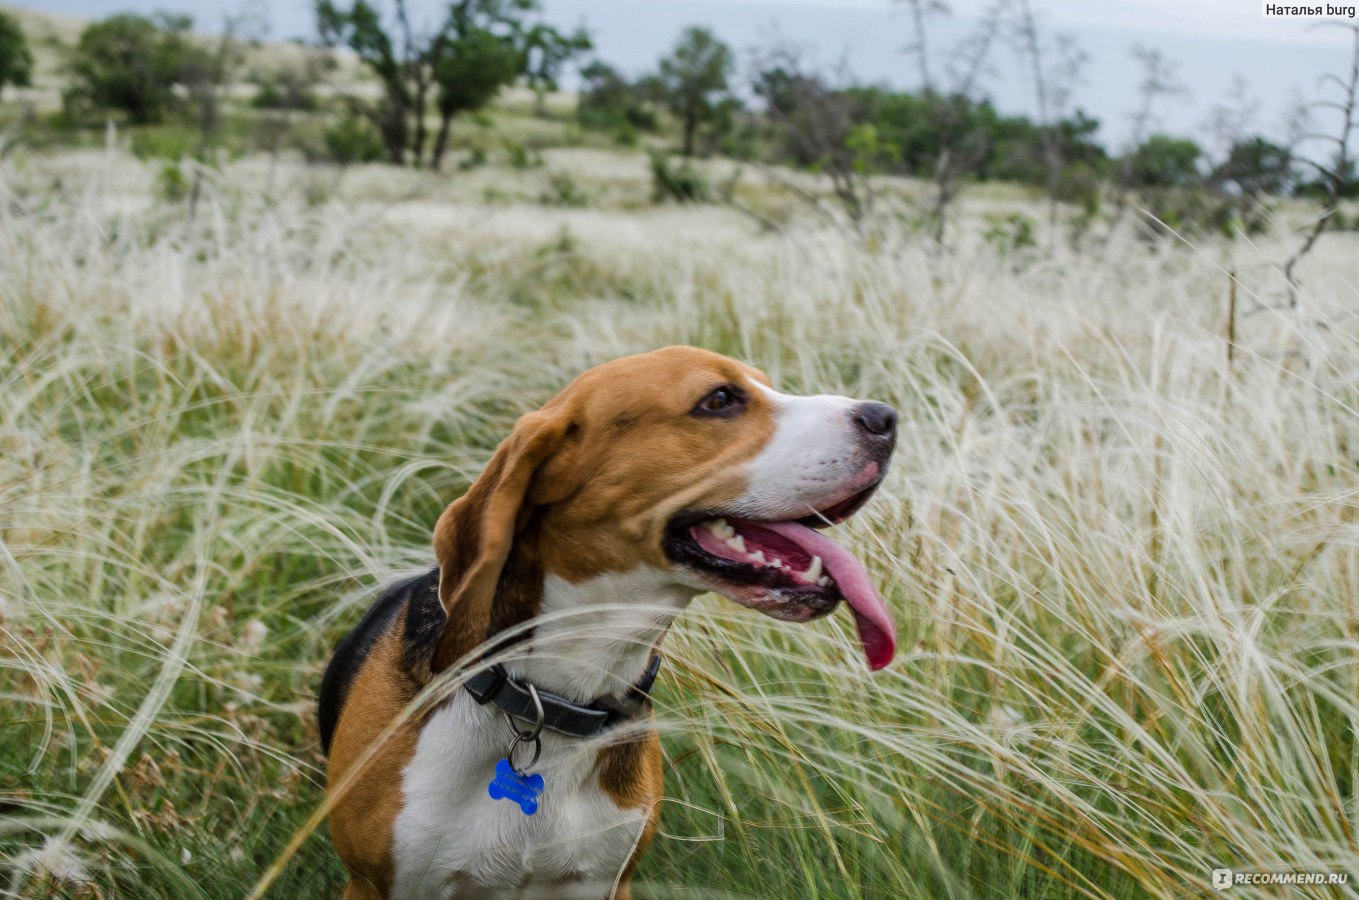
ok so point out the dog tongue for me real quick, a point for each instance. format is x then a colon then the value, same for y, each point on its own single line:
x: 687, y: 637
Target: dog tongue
x: 876, y: 631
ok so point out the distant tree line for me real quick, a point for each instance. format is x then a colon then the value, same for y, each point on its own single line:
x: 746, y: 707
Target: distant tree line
x: 796, y: 114
x: 825, y: 122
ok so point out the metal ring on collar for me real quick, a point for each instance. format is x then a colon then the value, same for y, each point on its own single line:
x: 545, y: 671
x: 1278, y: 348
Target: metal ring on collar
x: 539, y: 720
x: 522, y: 737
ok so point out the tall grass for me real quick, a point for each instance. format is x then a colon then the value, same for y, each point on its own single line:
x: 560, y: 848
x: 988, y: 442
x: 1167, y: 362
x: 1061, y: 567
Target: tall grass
x: 1125, y: 571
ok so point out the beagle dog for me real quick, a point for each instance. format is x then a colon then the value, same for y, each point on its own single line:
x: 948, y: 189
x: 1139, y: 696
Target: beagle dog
x: 647, y: 481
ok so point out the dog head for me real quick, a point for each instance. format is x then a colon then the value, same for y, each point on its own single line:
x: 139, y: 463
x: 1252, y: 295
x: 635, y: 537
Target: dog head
x: 683, y: 461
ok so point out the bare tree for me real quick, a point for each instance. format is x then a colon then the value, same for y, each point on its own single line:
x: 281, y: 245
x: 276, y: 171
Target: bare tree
x: 209, y: 75
x: 816, y: 118
x: 1337, y: 175
x: 1232, y: 119
x: 1053, y: 89
x: 965, y: 64
x: 1159, y: 81
x: 291, y: 84
x: 1248, y: 170
x: 420, y: 54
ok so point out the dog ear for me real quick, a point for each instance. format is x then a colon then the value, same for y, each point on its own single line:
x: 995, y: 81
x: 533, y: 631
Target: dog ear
x: 475, y: 534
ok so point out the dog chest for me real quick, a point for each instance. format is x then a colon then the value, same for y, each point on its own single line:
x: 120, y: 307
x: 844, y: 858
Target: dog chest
x: 451, y: 838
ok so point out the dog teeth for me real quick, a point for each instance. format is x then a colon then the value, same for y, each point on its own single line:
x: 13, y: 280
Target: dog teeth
x: 824, y: 581
x: 723, y: 530
x: 813, y: 572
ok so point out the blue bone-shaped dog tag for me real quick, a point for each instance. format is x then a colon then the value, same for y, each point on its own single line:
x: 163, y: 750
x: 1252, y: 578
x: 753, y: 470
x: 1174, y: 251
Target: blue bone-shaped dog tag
x: 522, y: 789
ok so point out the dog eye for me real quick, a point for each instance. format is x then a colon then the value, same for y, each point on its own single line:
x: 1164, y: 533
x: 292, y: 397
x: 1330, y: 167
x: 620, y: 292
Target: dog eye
x: 724, y: 399
x: 718, y: 399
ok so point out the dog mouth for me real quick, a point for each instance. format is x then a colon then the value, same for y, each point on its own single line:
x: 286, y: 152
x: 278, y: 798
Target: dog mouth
x: 786, y: 568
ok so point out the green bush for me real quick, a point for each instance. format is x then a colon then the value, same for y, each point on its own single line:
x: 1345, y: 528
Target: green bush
x: 476, y: 158
x: 353, y: 140
x: 131, y: 64
x: 563, y: 191
x: 677, y: 181
x: 1194, y: 210
x: 1011, y: 233
x: 166, y: 142
x: 1166, y: 162
x: 609, y: 102
x: 522, y: 156
x: 271, y: 95
x: 171, y: 185
x: 16, y: 59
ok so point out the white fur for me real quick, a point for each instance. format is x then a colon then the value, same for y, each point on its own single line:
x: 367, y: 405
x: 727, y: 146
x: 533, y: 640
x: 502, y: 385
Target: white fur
x: 452, y: 840
x: 815, y: 452
x: 596, y: 637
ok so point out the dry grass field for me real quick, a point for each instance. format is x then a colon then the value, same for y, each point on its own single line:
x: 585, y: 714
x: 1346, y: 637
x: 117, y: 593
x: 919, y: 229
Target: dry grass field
x: 1123, y: 554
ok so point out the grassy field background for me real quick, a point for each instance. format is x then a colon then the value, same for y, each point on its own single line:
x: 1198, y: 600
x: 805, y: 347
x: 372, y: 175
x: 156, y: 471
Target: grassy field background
x: 1123, y: 552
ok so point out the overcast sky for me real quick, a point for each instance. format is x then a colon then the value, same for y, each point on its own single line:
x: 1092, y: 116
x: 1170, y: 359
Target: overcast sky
x: 1211, y: 41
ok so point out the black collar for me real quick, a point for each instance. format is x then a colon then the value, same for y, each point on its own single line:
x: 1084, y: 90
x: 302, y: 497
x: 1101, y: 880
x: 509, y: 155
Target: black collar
x: 494, y: 685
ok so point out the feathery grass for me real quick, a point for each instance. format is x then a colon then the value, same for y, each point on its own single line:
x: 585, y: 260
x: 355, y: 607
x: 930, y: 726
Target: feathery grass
x: 1125, y: 571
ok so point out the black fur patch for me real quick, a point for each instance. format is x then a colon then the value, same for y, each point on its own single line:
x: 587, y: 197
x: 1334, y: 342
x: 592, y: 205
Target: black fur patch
x: 417, y: 599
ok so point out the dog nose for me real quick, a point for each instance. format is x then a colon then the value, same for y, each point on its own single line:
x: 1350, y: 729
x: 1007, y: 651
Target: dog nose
x: 878, y: 419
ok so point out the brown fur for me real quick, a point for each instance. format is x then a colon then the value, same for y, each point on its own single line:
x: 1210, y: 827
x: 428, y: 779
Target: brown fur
x: 582, y: 487
x: 362, y: 820
x: 474, y: 536
x: 635, y: 458
x: 358, y: 890
x: 597, y: 472
x: 632, y: 775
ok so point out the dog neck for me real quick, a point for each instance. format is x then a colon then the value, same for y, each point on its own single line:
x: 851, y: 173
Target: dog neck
x: 596, y: 637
